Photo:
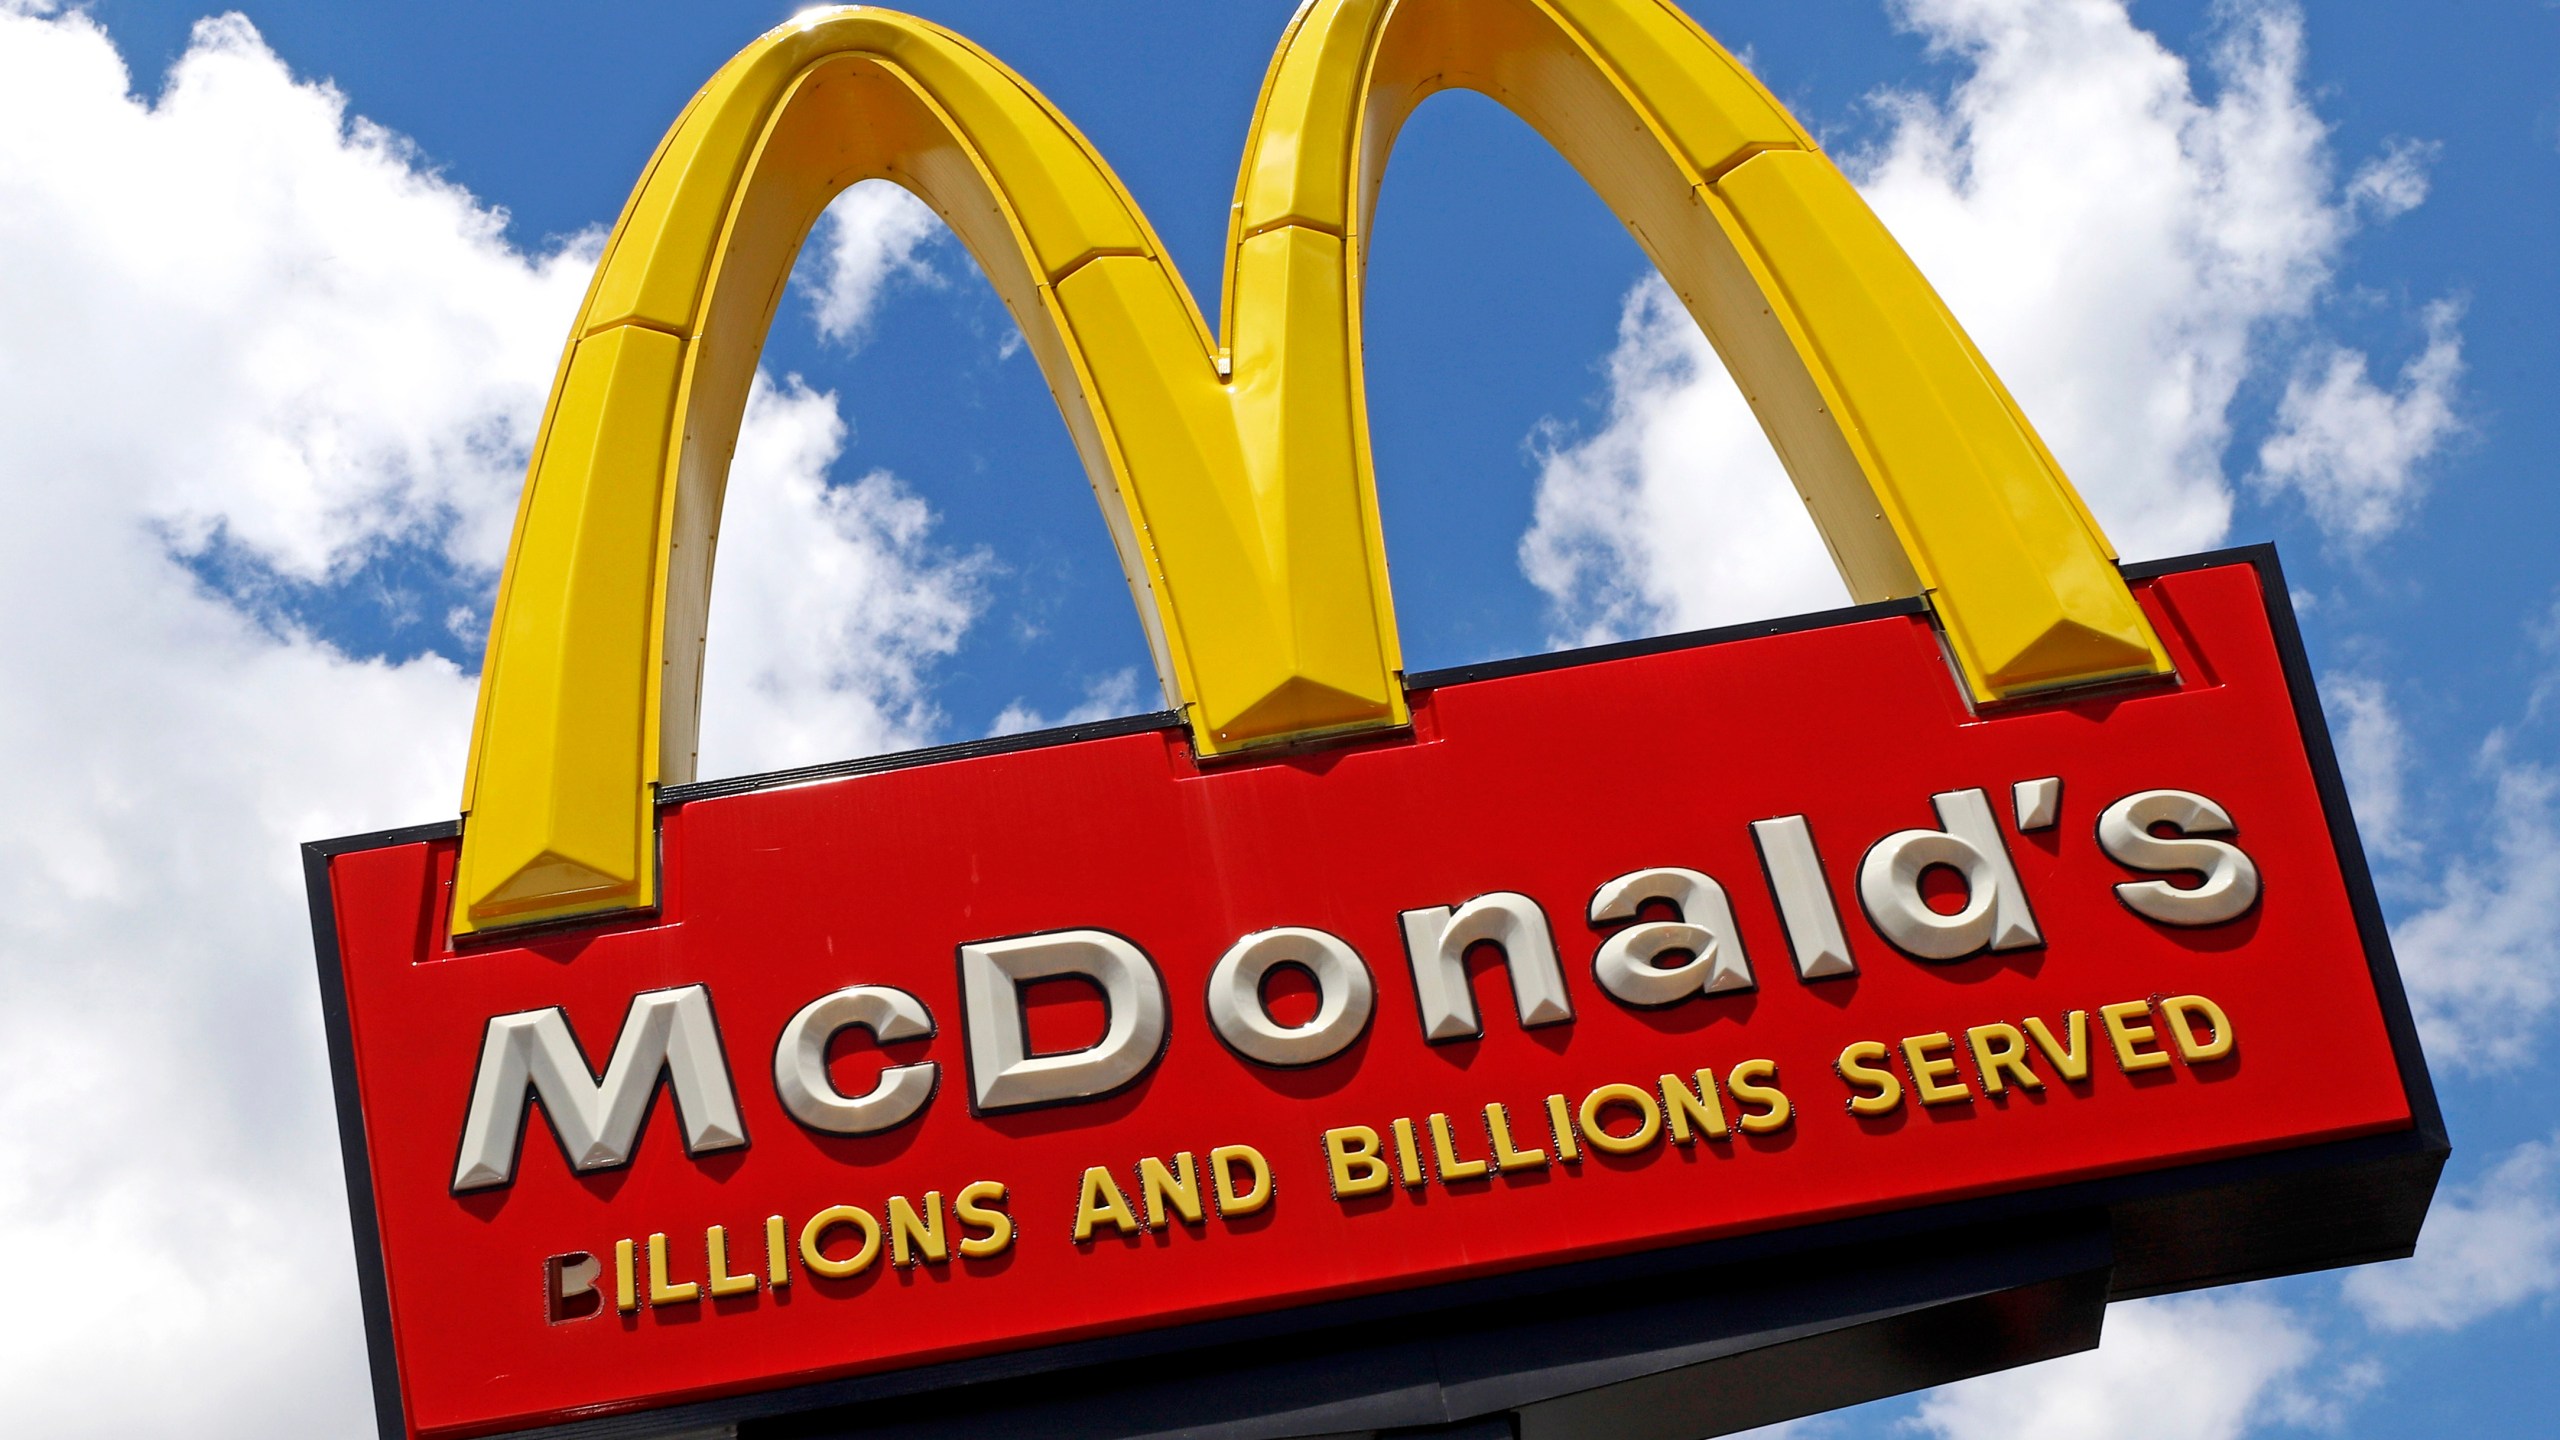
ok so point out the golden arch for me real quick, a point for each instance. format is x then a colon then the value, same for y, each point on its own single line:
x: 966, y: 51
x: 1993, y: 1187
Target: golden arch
x: 1235, y: 477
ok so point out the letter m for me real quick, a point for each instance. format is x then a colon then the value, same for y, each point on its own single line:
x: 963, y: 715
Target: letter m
x: 531, y: 1057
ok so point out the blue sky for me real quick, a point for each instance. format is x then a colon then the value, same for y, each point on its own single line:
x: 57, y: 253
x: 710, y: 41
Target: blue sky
x: 270, y: 355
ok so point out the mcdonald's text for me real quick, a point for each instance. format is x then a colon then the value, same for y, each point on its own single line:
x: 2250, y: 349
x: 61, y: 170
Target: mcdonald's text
x: 1667, y: 934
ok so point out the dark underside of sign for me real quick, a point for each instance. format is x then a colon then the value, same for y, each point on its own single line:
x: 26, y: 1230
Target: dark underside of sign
x: 1674, y: 1352
x: 1636, y: 1320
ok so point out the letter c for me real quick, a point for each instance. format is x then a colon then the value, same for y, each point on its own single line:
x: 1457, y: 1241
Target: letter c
x: 800, y: 1061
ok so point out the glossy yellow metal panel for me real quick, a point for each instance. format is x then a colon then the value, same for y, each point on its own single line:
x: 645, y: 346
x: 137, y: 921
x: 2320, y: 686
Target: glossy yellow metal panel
x: 557, y: 805
x: 1236, y: 481
x: 1920, y: 470
x: 572, y: 698
x: 2022, y: 581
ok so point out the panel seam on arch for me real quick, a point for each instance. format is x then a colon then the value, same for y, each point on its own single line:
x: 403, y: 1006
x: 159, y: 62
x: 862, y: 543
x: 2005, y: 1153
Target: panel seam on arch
x: 1287, y: 222
x: 635, y: 322
x: 1104, y: 252
x: 1715, y: 173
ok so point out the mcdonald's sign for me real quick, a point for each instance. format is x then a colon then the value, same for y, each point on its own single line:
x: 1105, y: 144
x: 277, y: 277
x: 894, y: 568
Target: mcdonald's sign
x: 1658, y: 1039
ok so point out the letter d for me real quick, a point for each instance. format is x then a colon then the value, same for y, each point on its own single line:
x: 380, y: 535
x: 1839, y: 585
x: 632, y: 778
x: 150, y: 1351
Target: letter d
x: 1995, y: 914
x: 1003, y: 1073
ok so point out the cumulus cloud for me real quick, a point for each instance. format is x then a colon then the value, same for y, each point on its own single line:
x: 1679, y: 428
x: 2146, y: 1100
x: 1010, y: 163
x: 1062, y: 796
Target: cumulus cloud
x: 247, y: 273
x: 2480, y: 948
x: 2488, y: 1247
x: 1111, y: 695
x: 2482, y: 961
x: 873, y: 237
x: 2354, y: 451
x: 1675, y: 514
x: 2129, y: 241
x: 831, y: 604
x: 239, y: 323
x: 2373, y: 750
x: 2201, y: 1367
x: 230, y: 313
x: 2395, y: 182
x: 2132, y: 238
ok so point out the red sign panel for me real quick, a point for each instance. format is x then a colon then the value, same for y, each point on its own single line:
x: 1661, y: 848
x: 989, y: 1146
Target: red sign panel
x: 972, y: 1056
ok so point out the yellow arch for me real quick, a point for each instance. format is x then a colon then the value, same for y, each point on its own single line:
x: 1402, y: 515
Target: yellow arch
x: 1236, y: 482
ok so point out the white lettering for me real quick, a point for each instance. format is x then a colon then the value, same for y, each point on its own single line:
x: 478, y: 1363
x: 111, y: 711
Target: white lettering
x: 1628, y: 963
x: 1346, y: 996
x: 1003, y: 1073
x: 1995, y: 914
x: 667, y: 1032
x: 2230, y: 878
x: 1436, y: 941
x: 800, y: 1061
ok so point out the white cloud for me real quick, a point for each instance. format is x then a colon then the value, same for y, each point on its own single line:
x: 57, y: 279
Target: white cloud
x: 1675, y: 514
x: 2488, y: 1247
x: 2546, y: 637
x: 2480, y: 955
x: 233, y: 314
x: 2482, y: 961
x: 2130, y: 243
x: 227, y: 312
x: 2354, y: 451
x: 2395, y: 182
x: 2127, y: 245
x: 830, y: 601
x: 2373, y: 750
x: 1112, y: 695
x: 871, y: 238
x: 244, y: 277
x: 2199, y: 1367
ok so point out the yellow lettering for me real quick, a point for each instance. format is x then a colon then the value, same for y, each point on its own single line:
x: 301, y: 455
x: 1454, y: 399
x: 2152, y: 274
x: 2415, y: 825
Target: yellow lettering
x: 1690, y: 1112
x: 1408, y: 1158
x: 2072, y: 1062
x: 716, y: 1240
x: 626, y: 1287
x: 2182, y: 1012
x: 2000, y: 1050
x: 1560, y: 1125
x: 1102, y: 1200
x: 1444, y: 1149
x: 975, y: 1205
x: 2129, y: 1036
x: 661, y: 1290
x: 1641, y: 1101
x: 1858, y: 1065
x: 1256, y: 1194
x: 1930, y: 1063
x: 1351, y: 1158
x: 1181, y: 1186
x: 1507, y: 1156
x: 1746, y: 1083
x: 913, y: 1236
x: 777, y: 1252
x: 813, y: 1239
